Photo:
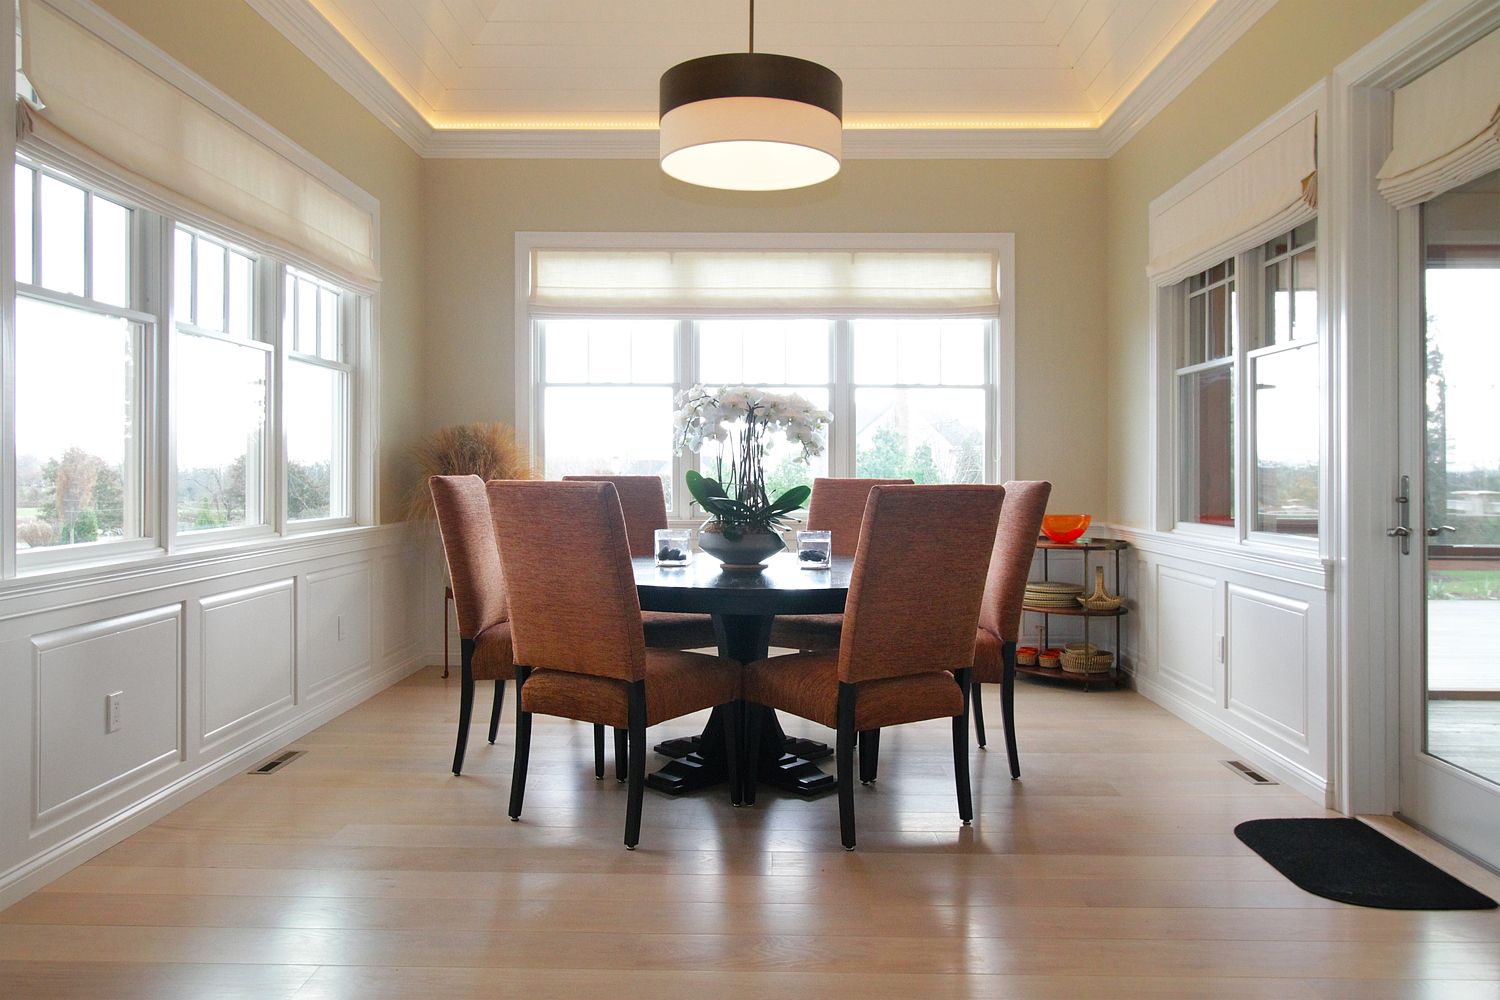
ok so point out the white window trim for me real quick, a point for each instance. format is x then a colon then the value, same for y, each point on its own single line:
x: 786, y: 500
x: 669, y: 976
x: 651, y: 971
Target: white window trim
x: 1166, y: 317
x: 1000, y: 415
x: 156, y: 254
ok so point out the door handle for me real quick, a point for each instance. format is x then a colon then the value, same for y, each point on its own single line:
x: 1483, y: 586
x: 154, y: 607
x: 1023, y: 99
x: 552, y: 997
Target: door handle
x: 1402, y: 530
x: 1434, y: 532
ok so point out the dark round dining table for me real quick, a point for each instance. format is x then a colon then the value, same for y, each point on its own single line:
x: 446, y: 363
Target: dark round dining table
x: 743, y: 605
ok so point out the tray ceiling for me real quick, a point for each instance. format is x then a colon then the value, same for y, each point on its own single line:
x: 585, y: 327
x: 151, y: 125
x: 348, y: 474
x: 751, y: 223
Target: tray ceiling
x: 593, y: 66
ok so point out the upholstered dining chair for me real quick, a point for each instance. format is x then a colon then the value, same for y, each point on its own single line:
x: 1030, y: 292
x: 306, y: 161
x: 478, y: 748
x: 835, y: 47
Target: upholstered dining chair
x: 1000, y: 614
x: 463, y: 517
x: 580, y: 649
x: 908, y: 636
x: 643, y: 501
x: 644, y: 504
x: 837, y: 506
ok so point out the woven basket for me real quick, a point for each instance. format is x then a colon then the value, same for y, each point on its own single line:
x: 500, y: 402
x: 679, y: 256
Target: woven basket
x: 1081, y: 658
x: 1026, y: 656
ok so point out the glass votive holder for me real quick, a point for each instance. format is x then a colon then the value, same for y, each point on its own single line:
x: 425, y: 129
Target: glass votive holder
x: 814, y: 549
x: 674, y: 546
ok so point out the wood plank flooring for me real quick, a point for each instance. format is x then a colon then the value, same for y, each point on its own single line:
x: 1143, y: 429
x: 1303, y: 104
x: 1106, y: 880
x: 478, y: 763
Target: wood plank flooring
x: 364, y: 869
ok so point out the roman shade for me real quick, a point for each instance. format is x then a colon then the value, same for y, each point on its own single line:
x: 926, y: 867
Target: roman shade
x: 1446, y: 130
x: 104, y: 108
x: 617, y: 281
x: 1272, y: 188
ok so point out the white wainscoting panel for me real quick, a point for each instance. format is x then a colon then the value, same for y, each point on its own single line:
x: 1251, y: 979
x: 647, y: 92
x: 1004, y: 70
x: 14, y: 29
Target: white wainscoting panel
x: 136, y: 657
x: 1187, y: 632
x: 220, y: 658
x: 1235, y: 640
x: 1268, y: 660
x: 337, y: 626
x: 249, y: 656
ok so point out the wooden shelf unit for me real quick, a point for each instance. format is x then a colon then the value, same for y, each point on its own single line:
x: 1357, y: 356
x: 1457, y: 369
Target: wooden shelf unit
x: 1084, y: 546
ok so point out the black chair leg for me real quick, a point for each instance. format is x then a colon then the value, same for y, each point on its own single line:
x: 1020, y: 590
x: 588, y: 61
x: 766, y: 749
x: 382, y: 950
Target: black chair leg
x: 869, y: 755
x: 732, y: 712
x: 465, y: 703
x: 523, y: 749
x: 978, y: 701
x: 637, y: 740
x: 961, y: 753
x: 844, y: 754
x: 599, y: 751
x: 750, y: 767
x: 495, y: 708
x: 621, y: 752
x: 1008, y: 708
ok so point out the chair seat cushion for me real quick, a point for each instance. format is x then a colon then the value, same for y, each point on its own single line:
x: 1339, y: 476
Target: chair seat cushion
x: 492, y: 654
x: 989, y: 667
x: 807, y: 684
x: 677, y: 683
x: 673, y: 630
x: 807, y: 632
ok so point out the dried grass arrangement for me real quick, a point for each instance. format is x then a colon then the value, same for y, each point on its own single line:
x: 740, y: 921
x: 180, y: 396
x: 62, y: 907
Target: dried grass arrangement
x: 487, y: 450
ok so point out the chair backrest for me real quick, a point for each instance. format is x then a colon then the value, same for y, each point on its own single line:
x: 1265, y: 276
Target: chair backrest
x: 918, y: 580
x: 643, y: 499
x: 463, y: 516
x: 838, y: 505
x: 1010, y: 563
x: 573, y: 604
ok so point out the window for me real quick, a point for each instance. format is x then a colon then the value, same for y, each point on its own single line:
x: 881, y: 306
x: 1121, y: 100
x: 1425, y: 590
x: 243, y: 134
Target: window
x: 250, y: 396
x: 1268, y: 381
x: 222, y: 377
x: 80, y: 358
x: 913, y: 404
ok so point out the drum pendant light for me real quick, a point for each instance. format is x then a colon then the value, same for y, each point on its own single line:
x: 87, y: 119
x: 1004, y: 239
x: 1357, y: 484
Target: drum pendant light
x: 751, y: 121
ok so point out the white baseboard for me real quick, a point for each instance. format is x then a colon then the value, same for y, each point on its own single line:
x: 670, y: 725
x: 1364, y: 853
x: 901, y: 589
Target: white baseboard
x: 37, y: 871
x: 1258, y: 755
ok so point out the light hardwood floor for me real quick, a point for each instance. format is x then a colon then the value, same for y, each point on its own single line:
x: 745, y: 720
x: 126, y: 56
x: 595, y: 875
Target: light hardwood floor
x: 364, y: 869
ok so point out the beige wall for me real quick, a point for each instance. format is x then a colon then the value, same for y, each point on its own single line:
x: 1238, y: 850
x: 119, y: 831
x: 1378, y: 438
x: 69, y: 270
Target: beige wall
x: 472, y: 210
x: 1297, y: 43
x: 237, y: 51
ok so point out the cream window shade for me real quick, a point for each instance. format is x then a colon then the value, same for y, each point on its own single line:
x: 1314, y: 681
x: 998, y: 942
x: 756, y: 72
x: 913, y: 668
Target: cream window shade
x: 1271, y: 189
x: 763, y: 281
x: 114, y: 113
x: 1447, y: 126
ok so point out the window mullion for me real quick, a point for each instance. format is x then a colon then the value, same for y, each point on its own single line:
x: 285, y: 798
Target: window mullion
x: 160, y: 273
x: 269, y: 328
x: 686, y: 374
x: 842, y: 442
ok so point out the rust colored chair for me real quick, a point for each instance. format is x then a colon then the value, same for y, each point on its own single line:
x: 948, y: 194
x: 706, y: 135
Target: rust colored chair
x: 643, y: 501
x: 908, y: 637
x: 580, y: 649
x: 644, y: 504
x: 837, y: 505
x: 463, y: 516
x: 1000, y: 614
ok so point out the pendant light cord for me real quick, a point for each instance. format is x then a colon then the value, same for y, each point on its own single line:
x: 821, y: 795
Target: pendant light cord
x: 752, y: 25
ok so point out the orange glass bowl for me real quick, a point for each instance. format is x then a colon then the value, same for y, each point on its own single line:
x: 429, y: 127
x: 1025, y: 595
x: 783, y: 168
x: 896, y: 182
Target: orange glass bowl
x: 1064, y: 528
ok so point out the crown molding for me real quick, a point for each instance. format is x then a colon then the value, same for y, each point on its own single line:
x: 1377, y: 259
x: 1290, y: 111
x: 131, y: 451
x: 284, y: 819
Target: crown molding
x: 301, y: 23
x: 859, y: 144
x: 1204, y: 42
x: 331, y: 52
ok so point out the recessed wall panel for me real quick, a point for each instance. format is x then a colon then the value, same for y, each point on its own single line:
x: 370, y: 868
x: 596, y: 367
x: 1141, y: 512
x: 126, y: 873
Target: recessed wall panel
x: 338, y: 624
x: 249, y: 656
x: 82, y: 755
x: 1268, y: 661
x: 1185, y: 630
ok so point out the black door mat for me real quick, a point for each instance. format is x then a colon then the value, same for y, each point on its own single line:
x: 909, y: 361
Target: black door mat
x: 1345, y: 860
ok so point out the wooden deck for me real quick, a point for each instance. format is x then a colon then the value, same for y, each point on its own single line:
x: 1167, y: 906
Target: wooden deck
x: 364, y: 869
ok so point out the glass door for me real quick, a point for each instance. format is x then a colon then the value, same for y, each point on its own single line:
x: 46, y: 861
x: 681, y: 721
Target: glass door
x: 1450, y: 586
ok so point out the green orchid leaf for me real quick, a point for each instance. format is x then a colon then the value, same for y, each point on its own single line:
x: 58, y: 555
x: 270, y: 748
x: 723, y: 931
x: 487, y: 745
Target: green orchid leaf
x: 792, y: 499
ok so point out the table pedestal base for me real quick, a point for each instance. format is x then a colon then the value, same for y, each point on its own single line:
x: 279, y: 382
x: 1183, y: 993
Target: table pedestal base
x: 786, y: 762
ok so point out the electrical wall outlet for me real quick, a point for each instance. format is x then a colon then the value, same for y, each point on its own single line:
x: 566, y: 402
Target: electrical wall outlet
x: 339, y: 620
x: 1221, y: 647
x: 112, y: 711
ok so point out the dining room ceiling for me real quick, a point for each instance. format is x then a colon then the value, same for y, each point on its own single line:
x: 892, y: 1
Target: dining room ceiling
x: 907, y: 66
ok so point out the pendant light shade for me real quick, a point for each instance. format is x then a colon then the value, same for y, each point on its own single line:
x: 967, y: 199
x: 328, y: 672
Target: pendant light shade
x: 751, y: 121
